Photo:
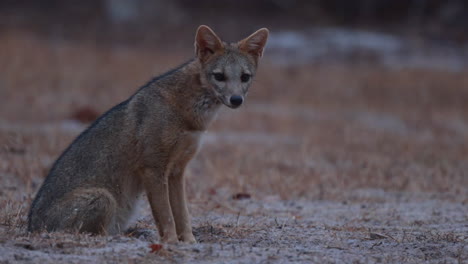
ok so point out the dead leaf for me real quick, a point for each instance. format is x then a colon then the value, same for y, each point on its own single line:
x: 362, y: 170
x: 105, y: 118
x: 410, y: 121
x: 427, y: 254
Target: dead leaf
x: 155, y: 247
x: 85, y: 115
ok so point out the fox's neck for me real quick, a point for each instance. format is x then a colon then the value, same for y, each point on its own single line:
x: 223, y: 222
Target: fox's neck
x: 194, y: 101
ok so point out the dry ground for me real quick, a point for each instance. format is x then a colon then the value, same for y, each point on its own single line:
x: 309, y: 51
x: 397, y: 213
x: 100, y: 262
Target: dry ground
x: 336, y: 163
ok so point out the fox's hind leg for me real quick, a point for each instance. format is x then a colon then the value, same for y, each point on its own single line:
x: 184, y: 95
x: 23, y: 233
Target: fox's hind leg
x: 90, y: 210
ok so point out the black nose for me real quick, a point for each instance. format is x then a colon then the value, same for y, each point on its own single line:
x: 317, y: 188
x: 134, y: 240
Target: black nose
x: 236, y: 100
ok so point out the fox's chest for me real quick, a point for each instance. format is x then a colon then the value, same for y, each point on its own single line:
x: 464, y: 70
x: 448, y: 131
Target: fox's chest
x: 188, y: 144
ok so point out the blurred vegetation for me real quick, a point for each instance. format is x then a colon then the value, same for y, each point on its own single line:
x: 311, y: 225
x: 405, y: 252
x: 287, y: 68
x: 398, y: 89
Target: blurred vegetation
x: 132, y: 20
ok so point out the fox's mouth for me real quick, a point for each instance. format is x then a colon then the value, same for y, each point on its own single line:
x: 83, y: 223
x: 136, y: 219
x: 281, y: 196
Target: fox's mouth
x: 225, y: 102
x: 231, y: 101
x: 231, y: 106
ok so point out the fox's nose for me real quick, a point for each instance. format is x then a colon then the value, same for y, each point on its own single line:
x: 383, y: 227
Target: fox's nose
x: 236, y: 100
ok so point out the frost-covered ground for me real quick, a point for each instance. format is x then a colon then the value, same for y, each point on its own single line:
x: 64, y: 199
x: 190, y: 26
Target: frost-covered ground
x: 398, y: 228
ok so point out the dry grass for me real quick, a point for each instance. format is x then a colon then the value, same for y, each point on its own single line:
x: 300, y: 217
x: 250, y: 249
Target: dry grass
x: 332, y: 137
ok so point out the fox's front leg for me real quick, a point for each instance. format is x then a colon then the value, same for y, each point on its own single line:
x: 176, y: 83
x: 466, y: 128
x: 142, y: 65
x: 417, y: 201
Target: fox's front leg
x: 179, y: 204
x: 156, y: 184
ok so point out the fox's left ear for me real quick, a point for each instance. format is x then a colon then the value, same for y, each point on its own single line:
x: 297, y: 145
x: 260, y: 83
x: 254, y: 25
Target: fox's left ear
x: 255, y: 43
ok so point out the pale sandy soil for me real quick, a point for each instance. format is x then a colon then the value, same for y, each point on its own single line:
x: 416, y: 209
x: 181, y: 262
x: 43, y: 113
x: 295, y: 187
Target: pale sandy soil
x: 400, y: 228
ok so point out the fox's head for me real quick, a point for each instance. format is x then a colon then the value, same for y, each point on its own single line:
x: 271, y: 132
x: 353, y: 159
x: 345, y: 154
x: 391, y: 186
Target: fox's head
x: 228, y: 68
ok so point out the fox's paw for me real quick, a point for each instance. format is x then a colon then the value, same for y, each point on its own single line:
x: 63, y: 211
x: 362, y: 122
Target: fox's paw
x: 169, y: 239
x: 188, y: 238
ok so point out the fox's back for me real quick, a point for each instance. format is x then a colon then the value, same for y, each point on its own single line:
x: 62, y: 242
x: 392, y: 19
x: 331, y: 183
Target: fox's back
x: 99, y: 157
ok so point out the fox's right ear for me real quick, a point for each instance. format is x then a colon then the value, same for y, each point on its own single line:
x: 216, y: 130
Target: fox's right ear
x: 255, y: 43
x: 206, y: 43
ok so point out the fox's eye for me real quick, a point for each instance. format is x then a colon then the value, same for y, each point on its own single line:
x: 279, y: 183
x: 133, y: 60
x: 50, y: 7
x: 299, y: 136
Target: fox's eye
x: 245, y: 77
x: 219, y: 76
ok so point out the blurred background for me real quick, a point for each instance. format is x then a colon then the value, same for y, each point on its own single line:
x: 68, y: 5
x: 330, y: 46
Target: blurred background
x: 350, y: 95
x: 42, y: 35
x: 144, y: 20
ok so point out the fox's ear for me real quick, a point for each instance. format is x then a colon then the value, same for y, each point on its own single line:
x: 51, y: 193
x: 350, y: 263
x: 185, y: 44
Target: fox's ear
x: 206, y: 42
x: 255, y: 43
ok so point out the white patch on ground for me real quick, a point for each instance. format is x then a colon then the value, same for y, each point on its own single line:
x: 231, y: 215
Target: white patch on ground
x: 383, y: 122
x: 247, y: 138
x: 339, y: 44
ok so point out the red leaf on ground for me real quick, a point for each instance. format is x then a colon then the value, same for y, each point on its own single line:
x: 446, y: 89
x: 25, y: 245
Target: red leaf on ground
x: 241, y: 196
x: 155, y: 247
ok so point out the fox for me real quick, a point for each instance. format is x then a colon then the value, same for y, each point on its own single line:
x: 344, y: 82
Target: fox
x: 142, y: 146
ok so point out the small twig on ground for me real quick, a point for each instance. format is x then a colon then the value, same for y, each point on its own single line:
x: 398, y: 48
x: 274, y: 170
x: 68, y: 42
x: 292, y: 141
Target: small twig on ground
x: 396, y: 240
x: 374, y: 236
x: 237, y: 220
x: 376, y: 244
x: 18, y: 216
x: 404, y: 236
